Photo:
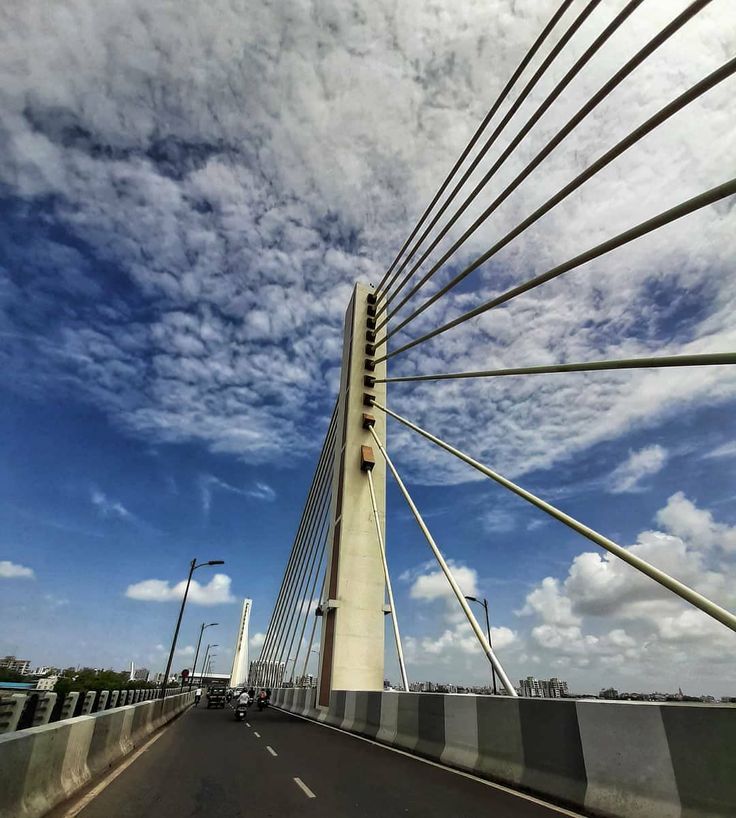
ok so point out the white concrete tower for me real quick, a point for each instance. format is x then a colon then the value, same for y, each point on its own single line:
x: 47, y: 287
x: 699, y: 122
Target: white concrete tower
x: 351, y: 653
x: 239, y: 674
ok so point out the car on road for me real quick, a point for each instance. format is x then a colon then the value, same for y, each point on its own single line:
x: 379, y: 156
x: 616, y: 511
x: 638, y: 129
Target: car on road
x: 216, y: 697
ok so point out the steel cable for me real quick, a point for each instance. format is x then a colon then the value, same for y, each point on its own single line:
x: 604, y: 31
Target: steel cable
x: 562, y: 134
x: 704, y: 359
x: 683, y: 209
x: 319, y: 549
x: 483, y: 125
x: 282, y: 633
x: 580, y: 19
x: 314, y: 493
x: 322, y: 463
x: 680, y: 589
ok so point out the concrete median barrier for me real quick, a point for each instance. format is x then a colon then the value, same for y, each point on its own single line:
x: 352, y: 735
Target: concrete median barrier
x: 42, y: 766
x: 612, y: 759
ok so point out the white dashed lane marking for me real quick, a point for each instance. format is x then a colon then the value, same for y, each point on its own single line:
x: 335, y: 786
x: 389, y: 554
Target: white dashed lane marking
x: 271, y: 750
x: 304, y: 788
x: 257, y: 735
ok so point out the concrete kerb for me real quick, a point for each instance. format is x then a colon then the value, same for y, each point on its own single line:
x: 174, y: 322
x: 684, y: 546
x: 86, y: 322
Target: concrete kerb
x: 461, y: 732
x: 107, y: 745
x: 368, y: 714
x: 389, y: 718
x: 336, y: 712
x: 500, y: 747
x: 646, y: 766
x: 702, y: 747
x: 42, y: 766
x: 348, y: 719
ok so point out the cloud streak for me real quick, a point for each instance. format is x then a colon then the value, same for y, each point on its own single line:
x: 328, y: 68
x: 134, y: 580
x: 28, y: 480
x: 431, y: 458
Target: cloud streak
x: 108, y: 508
x: 215, y: 592
x: 646, y: 462
x: 208, y: 484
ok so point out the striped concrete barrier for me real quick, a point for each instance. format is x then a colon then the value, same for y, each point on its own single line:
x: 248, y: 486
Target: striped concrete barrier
x: 613, y: 759
x: 43, y: 766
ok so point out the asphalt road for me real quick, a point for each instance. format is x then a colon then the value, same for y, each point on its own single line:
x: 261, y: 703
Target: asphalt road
x: 207, y: 765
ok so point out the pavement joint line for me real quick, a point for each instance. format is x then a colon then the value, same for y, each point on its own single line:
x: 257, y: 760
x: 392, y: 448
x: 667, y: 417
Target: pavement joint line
x: 88, y: 797
x: 304, y: 788
x: 524, y: 796
x: 257, y: 735
x: 271, y: 750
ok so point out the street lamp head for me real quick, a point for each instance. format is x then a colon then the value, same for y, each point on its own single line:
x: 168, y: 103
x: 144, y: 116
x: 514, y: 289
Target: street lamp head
x: 211, y: 624
x: 472, y: 598
x: 215, y: 562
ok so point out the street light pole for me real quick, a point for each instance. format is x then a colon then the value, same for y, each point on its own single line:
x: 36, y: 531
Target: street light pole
x: 484, y: 603
x: 204, y: 663
x: 196, y: 655
x: 192, y: 568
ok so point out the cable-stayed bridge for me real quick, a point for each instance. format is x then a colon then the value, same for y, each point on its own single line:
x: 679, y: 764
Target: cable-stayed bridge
x: 324, y: 649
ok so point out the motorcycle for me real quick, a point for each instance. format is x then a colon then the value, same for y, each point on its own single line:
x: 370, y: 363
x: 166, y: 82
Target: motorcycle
x: 241, y: 711
x: 262, y: 703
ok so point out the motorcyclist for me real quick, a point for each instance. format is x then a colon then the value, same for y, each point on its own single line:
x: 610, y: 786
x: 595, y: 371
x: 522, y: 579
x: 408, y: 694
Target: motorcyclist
x: 244, y: 698
x: 197, y: 696
x: 262, y: 699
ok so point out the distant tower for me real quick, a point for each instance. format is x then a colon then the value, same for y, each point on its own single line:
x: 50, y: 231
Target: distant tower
x: 131, y: 678
x: 239, y: 675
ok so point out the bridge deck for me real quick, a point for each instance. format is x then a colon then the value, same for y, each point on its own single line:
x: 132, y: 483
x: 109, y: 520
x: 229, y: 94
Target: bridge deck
x: 207, y: 764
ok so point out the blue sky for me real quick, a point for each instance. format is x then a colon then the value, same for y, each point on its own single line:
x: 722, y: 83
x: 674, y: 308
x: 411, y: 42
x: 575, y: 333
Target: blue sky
x: 186, y: 201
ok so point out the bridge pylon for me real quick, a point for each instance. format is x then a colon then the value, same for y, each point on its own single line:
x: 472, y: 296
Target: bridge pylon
x: 352, y: 643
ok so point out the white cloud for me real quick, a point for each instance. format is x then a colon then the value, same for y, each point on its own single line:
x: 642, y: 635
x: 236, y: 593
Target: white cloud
x: 228, y: 203
x: 257, y: 640
x: 12, y: 570
x: 455, y: 645
x: 215, y: 592
x: 186, y: 651
x: 684, y: 519
x: 607, y: 618
x: 647, y: 461
x: 547, y: 601
x: 498, y: 521
x: 459, y: 639
x: 434, y: 585
x: 107, y: 507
